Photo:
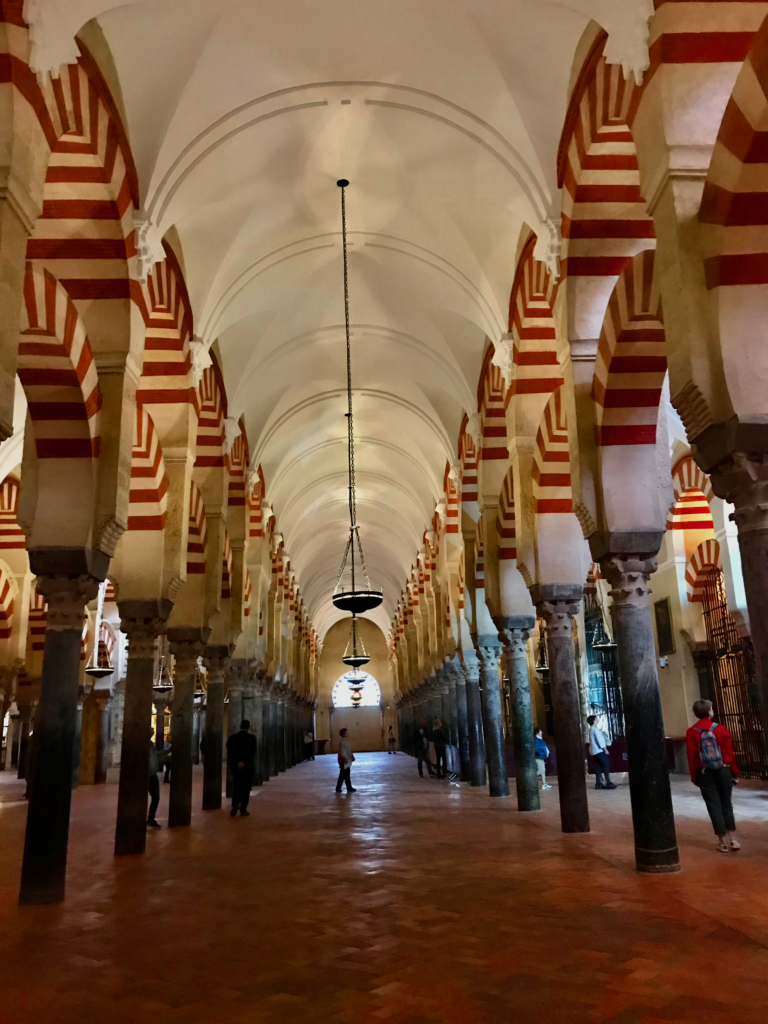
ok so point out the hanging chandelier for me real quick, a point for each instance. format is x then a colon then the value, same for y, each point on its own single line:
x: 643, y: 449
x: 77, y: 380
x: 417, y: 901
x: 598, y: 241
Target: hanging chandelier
x: 357, y: 599
x: 100, y: 664
x: 355, y: 654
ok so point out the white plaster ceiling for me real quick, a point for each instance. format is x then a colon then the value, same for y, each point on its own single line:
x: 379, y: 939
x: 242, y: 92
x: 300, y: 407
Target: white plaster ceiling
x: 445, y: 115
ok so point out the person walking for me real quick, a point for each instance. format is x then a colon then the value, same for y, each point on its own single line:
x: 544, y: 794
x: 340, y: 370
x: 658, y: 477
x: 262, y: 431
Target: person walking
x: 154, y: 785
x: 440, y: 739
x: 421, y: 743
x: 346, y: 757
x: 542, y: 753
x: 713, y: 767
x: 241, y: 755
x: 598, y: 748
x: 166, y: 760
x: 390, y: 740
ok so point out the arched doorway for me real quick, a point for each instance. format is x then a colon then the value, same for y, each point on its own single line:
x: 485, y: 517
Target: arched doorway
x: 362, y: 716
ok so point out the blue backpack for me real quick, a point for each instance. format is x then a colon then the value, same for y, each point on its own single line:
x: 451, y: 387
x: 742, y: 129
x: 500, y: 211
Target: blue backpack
x: 710, y: 754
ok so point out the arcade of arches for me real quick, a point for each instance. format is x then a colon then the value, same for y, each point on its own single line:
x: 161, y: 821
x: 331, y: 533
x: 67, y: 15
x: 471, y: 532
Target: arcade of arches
x: 558, y: 264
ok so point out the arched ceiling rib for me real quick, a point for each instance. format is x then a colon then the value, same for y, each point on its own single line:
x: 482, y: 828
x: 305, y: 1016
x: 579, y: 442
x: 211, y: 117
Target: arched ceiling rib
x: 445, y: 115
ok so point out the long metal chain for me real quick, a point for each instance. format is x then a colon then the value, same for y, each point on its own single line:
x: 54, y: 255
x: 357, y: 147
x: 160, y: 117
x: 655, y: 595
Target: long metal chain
x: 353, y: 528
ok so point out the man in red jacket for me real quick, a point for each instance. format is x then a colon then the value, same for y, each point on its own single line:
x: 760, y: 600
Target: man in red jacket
x: 714, y: 771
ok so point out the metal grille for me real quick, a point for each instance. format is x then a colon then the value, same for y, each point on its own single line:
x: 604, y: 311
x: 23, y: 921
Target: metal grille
x: 604, y: 686
x: 731, y: 668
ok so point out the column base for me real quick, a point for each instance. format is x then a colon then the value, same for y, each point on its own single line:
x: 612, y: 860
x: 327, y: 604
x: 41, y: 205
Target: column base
x: 658, y: 862
x: 40, y: 898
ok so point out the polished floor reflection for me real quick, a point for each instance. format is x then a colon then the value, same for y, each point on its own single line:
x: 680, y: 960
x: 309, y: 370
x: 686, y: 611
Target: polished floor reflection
x: 408, y: 901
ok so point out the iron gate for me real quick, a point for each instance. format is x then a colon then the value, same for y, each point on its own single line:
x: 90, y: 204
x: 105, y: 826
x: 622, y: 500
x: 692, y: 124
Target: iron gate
x: 604, y: 687
x: 731, y: 670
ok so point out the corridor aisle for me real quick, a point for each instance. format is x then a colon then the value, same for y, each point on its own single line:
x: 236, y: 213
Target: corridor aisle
x: 411, y: 900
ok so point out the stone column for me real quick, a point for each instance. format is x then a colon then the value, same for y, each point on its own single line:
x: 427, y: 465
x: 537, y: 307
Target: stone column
x: 557, y: 604
x: 185, y: 649
x: 216, y: 659
x: 77, y: 741
x: 471, y: 668
x: 235, y: 716
x: 462, y: 720
x: 24, y: 715
x: 161, y: 702
x: 514, y: 632
x: 288, y: 710
x: 102, y: 702
x: 488, y: 650
x: 270, y: 747
x: 445, y: 695
x: 142, y: 629
x: 450, y: 679
x: 279, y: 717
x: 196, y: 734
x: 743, y: 481
x: 652, y: 816
x: 257, y: 728
x: 44, y: 865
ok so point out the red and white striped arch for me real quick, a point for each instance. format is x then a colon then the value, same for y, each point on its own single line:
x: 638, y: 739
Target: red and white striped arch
x: 480, y: 560
x: 57, y: 371
x: 505, y: 520
x: 469, y: 457
x: 604, y: 221
x: 255, y: 511
x: 6, y: 605
x: 631, y: 358
x: 226, y: 569
x: 38, y: 615
x: 169, y: 326
x: 197, y: 541
x: 210, y: 426
x: 704, y: 559
x: 552, y: 460
x: 238, y: 460
x: 537, y: 370
x: 451, y: 501
x: 691, y: 514
x: 247, y: 594
x: 148, y: 495
x: 492, y: 409
x: 11, y: 535
x: 687, y: 476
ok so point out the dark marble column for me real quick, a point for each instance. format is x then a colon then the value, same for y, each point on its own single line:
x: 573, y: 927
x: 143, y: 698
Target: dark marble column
x: 652, y: 817
x: 142, y: 622
x: 102, y: 739
x: 185, y: 651
x: 290, y: 731
x: 280, y: 732
x: 462, y: 720
x: 216, y: 660
x: 235, y: 717
x: 257, y: 728
x: 44, y: 866
x: 514, y: 632
x: 471, y: 668
x: 24, y: 715
x: 743, y: 481
x: 453, y: 711
x: 488, y: 650
x: 77, y: 741
x: 196, y: 735
x: 161, y: 703
x: 270, y: 724
x: 557, y: 604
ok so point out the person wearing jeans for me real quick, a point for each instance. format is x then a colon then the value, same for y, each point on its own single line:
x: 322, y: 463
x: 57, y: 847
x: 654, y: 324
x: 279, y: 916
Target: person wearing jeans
x: 346, y: 757
x: 598, y: 748
x: 422, y: 750
x: 713, y: 767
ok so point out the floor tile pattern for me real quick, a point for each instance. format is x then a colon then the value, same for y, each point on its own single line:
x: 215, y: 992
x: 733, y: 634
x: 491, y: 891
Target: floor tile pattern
x: 408, y: 901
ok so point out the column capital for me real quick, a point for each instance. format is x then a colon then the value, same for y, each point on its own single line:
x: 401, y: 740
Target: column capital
x: 629, y: 575
x: 67, y: 597
x: 186, y: 653
x: 216, y: 664
x: 488, y: 650
x: 742, y: 480
x: 470, y: 666
x: 142, y: 634
x: 557, y: 603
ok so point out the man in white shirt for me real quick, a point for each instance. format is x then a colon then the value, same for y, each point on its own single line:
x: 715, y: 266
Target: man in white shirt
x: 346, y: 757
x: 598, y: 748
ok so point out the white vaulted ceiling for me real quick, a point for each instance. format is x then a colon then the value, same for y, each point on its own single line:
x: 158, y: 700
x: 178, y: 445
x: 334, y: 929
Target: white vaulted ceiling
x: 445, y: 115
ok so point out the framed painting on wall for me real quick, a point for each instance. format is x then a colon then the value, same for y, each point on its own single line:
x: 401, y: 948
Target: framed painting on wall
x: 664, y: 633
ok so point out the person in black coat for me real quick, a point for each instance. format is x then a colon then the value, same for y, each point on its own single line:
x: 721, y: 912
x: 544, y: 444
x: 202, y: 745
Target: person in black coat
x: 440, y: 739
x: 241, y: 754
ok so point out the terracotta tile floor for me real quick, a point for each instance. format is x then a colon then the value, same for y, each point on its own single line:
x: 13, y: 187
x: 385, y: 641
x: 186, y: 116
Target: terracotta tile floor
x: 410, y: 901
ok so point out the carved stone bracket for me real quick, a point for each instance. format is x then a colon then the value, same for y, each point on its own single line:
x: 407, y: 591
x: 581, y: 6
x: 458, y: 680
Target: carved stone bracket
x: 629, y: 575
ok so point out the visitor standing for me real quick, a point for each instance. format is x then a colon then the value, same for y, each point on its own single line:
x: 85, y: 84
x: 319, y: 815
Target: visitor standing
x: 346, y: 757
x: 309, y: 746
x: 542, y: 753
x: 713, y: 767
x: 440, y: 740
x: 390, y: 740
x: 154, y: 785
x: 598, y: 748
x: 241, y: 754
x: 422, y: 749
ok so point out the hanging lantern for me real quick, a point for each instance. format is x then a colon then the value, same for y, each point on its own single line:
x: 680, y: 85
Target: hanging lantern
x: 355, y: 654
x: 356, y: 683
x: 100, y: 664
x: 357, y: 599
x: 163, y: 682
